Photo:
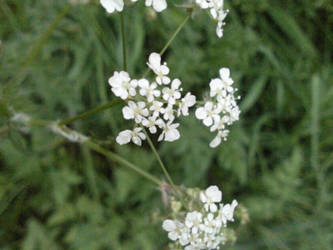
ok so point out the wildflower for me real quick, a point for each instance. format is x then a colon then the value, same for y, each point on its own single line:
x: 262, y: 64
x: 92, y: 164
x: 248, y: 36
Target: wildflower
x: 210, y: 197
x: 187, y: 102
x: 226, y: 212
x: 136, y: 111
x: 216, y: 11
x: 148, y: 90
x: 161, y: 70
x: 150, y: 104
x: 173, y: 93
x: 158, y: 5
x: 122, y: 86
x: 208, y: 113
x: 170, y: 132
x: 150, y: 123
x: 222, y: 109
x: 126, y: 136
x: 202, y: 228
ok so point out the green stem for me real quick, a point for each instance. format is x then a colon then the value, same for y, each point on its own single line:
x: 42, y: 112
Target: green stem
x: 165, y: 171
x: 166, y: 46
x: 123, y: 36
x: 122, y: 161
x: 91, y: 111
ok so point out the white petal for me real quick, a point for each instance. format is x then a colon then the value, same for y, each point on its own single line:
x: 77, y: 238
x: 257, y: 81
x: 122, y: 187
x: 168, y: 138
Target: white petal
x: 215, y: 142
x: 128, y: 113
x: 154, y: 60
x: 201, y: 113
x: 124, y: 137
x: 112, y: 5
x: 169, y: 225
x: 136, y: 140
x: 172, y: 135
x: 159, y: 5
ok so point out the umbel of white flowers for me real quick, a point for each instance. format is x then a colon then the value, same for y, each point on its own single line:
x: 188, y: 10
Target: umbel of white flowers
x: 203, y: 228
x: 118, y: 5
x: 155, y: 105
x: 151, y: 104
x: 221, y: 110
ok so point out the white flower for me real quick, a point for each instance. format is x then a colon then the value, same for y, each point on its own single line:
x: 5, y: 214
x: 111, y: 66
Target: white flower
x: 211, y: 195
x: 148, y: 90
x: 187, y: 102
x: 136, y: 111
x: 168, y: 113
x: 158, y: 5
x: 208, y: 113
x: 161, y: 70
x: 193, y: 220
x: 172, y: 94
x: 122, y: 86
x: 126, y: 136
x: 112, y: 5
x: 150, y: 123
x: 226, y: 212
x: 176, y: 230
x: 157, y: 108
x: 170, y: 132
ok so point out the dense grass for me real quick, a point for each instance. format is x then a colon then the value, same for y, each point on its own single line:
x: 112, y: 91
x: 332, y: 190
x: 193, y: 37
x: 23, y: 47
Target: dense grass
x: 55, y: 61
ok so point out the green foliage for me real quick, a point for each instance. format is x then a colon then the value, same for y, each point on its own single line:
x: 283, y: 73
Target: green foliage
x: 277, y: 161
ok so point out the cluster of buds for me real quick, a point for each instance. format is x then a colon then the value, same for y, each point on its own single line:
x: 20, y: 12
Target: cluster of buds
x: 203, y: 223
x: 153, y: 105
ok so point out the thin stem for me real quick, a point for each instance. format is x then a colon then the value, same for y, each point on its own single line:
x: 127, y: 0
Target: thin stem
x: 175, y: 34
x: 165, y: 171
x: 122, y: 161
x: 166, y: 46
x: 90, y: 112
x: 123, y: 36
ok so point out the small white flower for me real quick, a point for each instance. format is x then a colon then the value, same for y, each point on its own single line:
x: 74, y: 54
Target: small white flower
x: 187, y: 102
x: 168, y: 113
x: 210, y: 196
x: 148, y: 90
x: 208, y: 113
x: 170, y: 132
x: 126, y: 136
x: 150, y: 123
x: 121, y: 85
x: 136, y: 111
x: 226, y: 212
x: 112, y: 5
x: 158, y: 5
x: 174, y: 93
x: 161, y: 70
x: 175, y: 229
x: 193, y: 220
x: 157, y: 108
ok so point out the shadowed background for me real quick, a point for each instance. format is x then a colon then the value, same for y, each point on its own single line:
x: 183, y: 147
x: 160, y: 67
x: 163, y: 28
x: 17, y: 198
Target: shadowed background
x: 55, y: 61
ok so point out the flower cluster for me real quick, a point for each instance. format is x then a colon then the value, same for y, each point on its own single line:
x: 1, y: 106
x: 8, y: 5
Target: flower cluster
x: 217, y: 12
x: 204, y: 228
x: 118, y: 5
x: 151, y: 104
x: 221, y: 110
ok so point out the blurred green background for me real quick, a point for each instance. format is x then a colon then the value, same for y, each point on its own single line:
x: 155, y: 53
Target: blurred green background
x: 55, y: 61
